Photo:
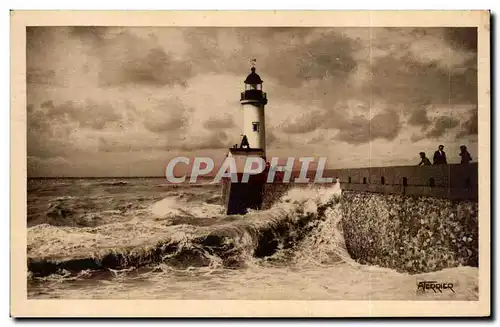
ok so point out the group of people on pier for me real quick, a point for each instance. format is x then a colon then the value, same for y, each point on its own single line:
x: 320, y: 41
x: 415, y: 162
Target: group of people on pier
x: 440, y: 157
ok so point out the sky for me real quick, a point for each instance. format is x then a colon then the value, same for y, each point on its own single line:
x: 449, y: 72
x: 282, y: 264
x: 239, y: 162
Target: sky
x: 119, y: 101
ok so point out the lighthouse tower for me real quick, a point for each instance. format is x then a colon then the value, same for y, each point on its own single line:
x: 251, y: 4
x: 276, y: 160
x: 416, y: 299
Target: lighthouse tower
x: 253, y: 101
x: 241, y: 196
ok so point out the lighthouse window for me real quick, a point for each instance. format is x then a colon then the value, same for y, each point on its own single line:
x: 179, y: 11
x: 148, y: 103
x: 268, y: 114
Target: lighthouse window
x: 255, y: 126
x: 249, y: 87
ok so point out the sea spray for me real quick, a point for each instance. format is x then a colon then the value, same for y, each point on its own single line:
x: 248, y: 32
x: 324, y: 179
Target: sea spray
x: 135, y: 243
x: 308, y: 269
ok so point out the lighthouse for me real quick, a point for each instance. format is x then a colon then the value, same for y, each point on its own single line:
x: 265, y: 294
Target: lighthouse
x: 240, y: 196
x: 253, y: 101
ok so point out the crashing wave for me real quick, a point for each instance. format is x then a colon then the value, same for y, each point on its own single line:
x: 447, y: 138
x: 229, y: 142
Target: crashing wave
x: 292, y: 223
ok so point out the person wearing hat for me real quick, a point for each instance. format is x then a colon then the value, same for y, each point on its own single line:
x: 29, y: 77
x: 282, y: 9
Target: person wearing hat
x: 465, y: 155
x: 440, y: 156
x: 425, y: 161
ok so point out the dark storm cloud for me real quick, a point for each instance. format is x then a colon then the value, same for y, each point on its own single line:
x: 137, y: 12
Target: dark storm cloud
x: 207, y: 55
x: 43, y: 145
x: 436, y: 65
x: 38, y: 40
x: 419, y: 118
x: 355, y: 130
x: 49, y: 104
x: 441, y: 125
x: 204, y: 52
x: 38, y: 36
x: 359, y: 129
x: 306, y: 123
x: 463, y: 85
x: 319, y: 68
x: 37, y: 121
x: 166, y: 116
x: 40, y: 76
x: 94, y: 33
x: 129, y: 60
x: 44, y: 138
x: 87, y: 114
x: 124, y: 58
x: 408, y: 81
x: 328, y: 57
x: 292, y: 60
x: 172, y: 123
x: 462, y: 37
x: 274, y: 140
x: 470, y: 126
x: 219, y: 122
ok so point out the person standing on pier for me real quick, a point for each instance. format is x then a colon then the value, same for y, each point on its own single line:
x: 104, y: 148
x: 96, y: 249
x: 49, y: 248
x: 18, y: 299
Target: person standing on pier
x: 465, y: 155
x: 440, y: 156
x: 425, y: 161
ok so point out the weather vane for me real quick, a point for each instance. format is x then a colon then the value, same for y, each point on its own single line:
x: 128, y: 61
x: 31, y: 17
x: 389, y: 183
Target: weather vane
x: 253, y: 62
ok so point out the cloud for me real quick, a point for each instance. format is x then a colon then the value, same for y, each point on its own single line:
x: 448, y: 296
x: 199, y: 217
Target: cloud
x: 270, y: 138
x: 53, y: 166
x: 305, y: 123
x: 462, y: 37
x: 40, y: 76
x: 167, y: 116
x: 219, y: 122
x: 87, y: 113
x: 410, y: 82
x: 58, y: 130
x: 92, y: 33
x: 419, y: 118
x: 328, y: 57
x: 316, y: 139
x: 441, y: 125
x: 470, y: 126
x: 356, y: 123
x: 45, y: 139
x: 127, y: 59
x: 411, y: 66
x: 109, y: 91
x: 215, y: 140
x: 116, y: 56
x: 359, y: 129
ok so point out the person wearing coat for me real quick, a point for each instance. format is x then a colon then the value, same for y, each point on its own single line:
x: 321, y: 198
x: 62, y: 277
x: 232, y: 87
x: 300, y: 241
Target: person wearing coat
x: 440, y: 156
x: 466, y: 158
x: 425, y: 161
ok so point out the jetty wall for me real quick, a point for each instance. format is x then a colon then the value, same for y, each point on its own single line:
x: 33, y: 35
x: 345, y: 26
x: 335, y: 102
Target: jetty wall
x: 412, y: 219
x: 453, y: 182
x: 409, y: 218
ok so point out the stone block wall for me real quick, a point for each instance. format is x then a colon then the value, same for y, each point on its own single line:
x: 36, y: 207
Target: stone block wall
x: 410, y: 234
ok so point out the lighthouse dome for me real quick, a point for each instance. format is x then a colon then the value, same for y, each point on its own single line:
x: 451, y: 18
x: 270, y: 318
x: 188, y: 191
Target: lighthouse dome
x: 253, y: 78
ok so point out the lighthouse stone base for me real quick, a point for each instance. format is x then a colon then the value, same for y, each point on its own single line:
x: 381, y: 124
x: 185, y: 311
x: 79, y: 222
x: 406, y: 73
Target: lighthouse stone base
x: 238, y: 197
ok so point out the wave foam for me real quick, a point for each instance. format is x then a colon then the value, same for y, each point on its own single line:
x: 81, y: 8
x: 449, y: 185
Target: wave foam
x: 231, y: 242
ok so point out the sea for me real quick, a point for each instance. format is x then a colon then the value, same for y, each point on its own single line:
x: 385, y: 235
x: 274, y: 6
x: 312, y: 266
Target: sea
x: 71, y: 217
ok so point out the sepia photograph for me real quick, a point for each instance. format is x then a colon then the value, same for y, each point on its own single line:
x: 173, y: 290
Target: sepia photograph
x: 254, y: 161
